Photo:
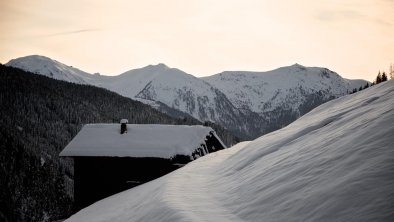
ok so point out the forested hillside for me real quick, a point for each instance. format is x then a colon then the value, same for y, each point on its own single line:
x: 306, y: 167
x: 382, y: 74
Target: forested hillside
x: 38, y: 117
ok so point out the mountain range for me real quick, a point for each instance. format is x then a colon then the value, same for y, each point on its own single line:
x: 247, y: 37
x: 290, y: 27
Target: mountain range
x: 249, y: 104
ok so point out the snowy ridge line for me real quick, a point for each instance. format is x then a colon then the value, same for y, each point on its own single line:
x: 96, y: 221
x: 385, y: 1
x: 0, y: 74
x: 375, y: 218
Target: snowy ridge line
x: 336, y: 163
x: 249, y: 104
x: 263, y: 91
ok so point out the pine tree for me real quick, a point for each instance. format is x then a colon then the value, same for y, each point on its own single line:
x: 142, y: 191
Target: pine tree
x: 384, y: 77
x: 378, y: 78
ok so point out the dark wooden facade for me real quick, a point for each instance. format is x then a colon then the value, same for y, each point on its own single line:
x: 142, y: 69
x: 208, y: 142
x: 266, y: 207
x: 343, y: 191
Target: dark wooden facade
x: 98, y: 177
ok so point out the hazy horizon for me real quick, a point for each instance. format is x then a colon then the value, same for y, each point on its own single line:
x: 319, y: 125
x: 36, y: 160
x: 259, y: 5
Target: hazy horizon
x: 353, y: 38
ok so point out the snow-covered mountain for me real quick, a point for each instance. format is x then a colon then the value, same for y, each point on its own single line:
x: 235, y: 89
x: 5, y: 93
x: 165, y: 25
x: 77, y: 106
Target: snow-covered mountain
x: 177, y: 90
x: 288, y: 88
x: 247, y: 103
x: 283, y: 87
x: 51, y: 68
x: 335, y: 163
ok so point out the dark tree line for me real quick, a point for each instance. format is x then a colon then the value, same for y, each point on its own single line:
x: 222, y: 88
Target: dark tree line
x: 367, y: 85
x: 38, y: 117
x: 381, y: 77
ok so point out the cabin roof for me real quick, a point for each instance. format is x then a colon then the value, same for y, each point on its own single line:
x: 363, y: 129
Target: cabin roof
x: 141, y: 140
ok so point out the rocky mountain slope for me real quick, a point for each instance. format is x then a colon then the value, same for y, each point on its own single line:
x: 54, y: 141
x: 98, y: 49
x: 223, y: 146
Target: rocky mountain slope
x: 285, y: 87
x: 284, y: 94
x: 178, y: 90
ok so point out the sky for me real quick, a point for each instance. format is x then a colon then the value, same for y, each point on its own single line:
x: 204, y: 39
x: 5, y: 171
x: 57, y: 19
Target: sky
x: 355, y: 38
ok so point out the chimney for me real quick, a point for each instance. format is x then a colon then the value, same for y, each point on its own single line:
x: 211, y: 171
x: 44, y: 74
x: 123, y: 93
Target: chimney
x: 123, y: 126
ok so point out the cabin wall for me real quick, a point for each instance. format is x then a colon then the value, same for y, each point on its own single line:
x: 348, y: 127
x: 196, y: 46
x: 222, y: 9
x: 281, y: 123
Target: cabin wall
x: 213, y: 143
x: 98, y: 177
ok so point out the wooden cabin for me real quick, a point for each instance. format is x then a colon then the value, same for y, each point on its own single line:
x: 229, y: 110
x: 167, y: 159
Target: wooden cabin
x: 110, y: 158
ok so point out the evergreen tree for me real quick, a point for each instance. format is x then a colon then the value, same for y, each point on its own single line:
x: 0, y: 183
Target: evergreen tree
x: 378, y: 78
x: 384, y: 77
x: 366, y: 86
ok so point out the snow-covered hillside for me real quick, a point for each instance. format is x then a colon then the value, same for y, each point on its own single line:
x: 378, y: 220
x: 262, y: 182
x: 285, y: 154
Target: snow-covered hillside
x: 177, y: 90
x: 249, y: 104
x: 51, y: 68
x: 286, y: 87
x: 335, y: 163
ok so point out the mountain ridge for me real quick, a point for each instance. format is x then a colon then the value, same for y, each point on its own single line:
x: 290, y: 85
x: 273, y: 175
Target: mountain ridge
x: 248, y: 103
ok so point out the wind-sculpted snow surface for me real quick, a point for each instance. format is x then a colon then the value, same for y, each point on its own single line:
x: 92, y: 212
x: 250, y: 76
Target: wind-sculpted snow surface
x: 336, y: 163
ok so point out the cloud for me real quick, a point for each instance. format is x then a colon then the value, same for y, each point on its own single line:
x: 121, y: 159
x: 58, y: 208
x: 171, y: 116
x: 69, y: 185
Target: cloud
x: 331, y: 16
x: 350, y: 15
x: 71, y: 32
x: 383, y: 22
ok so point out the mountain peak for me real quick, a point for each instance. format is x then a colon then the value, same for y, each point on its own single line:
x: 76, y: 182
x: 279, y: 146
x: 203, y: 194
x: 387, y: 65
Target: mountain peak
x: 162, y: 65
x: 158, y: 66
x: 30, y: 58
x: 45, y: 66
x: 296, y: 65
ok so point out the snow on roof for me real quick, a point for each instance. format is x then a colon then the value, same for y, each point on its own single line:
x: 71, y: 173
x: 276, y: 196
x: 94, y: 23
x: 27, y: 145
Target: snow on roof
x: 124, y: 121
x: 141, y: 140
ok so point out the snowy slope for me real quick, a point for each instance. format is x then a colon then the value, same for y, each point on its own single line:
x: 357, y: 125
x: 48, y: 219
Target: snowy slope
x: 335, y: 163
x: 51, y: 68
x: 130, y: 83
x: 286, y: 87
x: 177, y: 90
x: 356, y: 83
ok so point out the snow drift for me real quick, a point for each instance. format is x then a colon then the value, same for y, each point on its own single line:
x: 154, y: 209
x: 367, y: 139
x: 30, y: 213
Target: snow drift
x: 336, y: 163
